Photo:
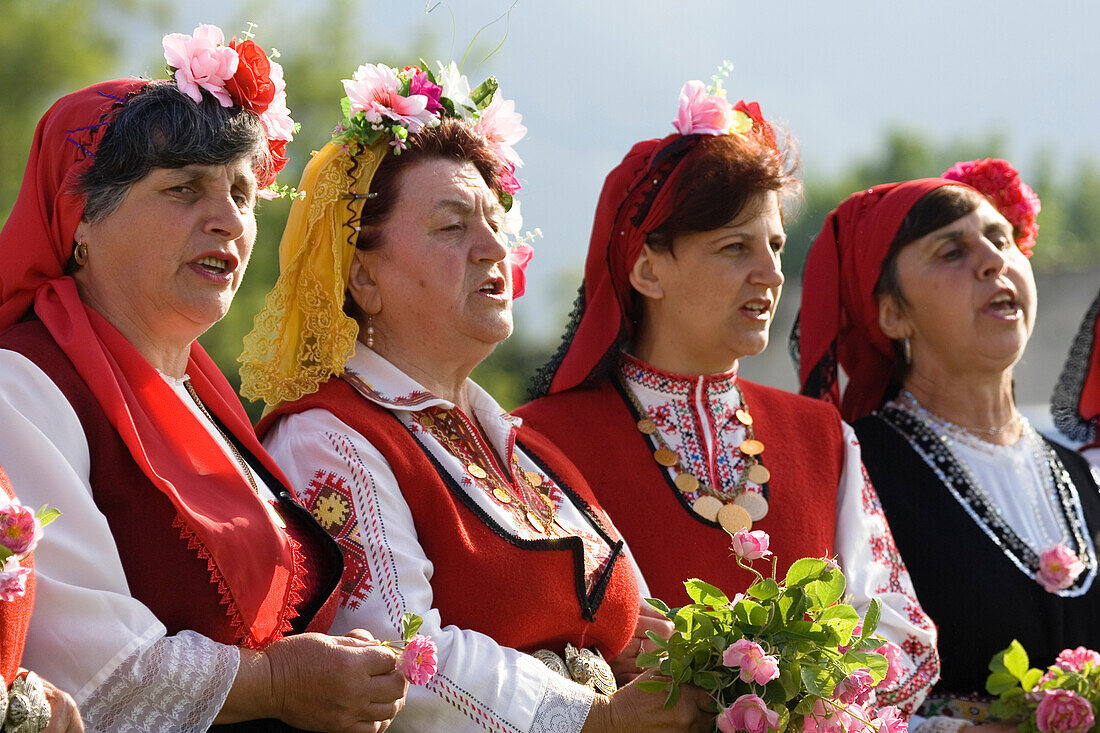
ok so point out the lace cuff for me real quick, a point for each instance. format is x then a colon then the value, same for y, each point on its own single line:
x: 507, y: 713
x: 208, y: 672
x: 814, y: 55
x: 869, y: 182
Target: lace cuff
x: 178, y: 683
x: 563, y: 708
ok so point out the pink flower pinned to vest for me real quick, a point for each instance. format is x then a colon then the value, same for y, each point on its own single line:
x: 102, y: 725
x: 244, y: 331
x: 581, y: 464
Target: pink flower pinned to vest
x: 201, y: 61
x: 419, y: 660
x: 1074, y: 660
x: 20, y: 529
x: 750, y: 545
x: 856, y: 687
x: 13, y: 580
x: 1058, y: 568
x: 748, y: 713
x: 756, y: 666
x: 1063, y: 711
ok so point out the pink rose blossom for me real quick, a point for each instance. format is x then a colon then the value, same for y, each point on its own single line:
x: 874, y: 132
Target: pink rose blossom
x: 750, y: 545
x: 500, y: 124
x: 201, y: 61
x: 419, y: 660
x: 518, y: 257
x: 374, y: 91
x: 13, y: 580
x: 1063, y: 711
x: 508, y: 180
x: 834, y: 718
x: 1058, y: 568
x: 20, y: 530
x: 889, y: 720
x: 894, y: 663
x: 748, y: 713
x: 1073, y: 660
x: 1000, y: 182
x: 702, y: 114
x: 419, y: 83
x: 754, y: 663
x: 856, y: 687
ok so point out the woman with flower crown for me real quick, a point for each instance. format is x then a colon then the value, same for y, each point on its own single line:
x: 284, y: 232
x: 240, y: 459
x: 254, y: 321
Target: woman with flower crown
x: 396, y: 280
x: 681, y: 282
x: 178, y: 587
x: 922, y: 292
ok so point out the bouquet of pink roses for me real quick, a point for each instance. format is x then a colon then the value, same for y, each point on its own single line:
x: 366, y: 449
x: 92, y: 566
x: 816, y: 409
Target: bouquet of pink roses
x: 785, y: 655
x: 1060, y: 700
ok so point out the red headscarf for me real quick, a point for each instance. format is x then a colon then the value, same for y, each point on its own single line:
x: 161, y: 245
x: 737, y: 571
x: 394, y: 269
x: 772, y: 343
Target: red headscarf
x: 839, y: 316
x: 226, y: 522
x: 637, y: 196
x: 1076, y: 403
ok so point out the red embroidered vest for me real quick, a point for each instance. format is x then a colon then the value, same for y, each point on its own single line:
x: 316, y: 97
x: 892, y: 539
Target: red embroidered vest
x: 525, y: 594
x: 15, y: 615
x: 596, y: 430
x: 163, y: 570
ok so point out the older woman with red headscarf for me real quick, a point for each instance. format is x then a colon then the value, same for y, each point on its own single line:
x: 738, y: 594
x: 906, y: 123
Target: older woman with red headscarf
x: 922, y: 292
x: 1076, y: 402
x: 397, y: 280
x: 681, y: 282
x: 176, y: 589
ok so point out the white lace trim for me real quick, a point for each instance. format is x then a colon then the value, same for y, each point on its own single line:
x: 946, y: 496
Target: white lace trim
x: 178, y: 683
x: 564, y: 707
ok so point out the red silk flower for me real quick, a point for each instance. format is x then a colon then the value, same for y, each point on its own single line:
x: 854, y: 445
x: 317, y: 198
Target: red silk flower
x: 251, y: 86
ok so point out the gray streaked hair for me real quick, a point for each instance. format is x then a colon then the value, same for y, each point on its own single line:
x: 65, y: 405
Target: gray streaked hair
x: 160, y: 127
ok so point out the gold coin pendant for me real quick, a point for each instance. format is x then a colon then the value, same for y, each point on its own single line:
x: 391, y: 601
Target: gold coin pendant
x: 755, y: 504
x: 533, y: 478
x: 665, y: 457
x: 502, y: 496
x: 535, y: 522
x: 733, y: 518
x: 758, y: 474
x: 707, y: 507
x: 752, y: 447
x: 743, y: 417
x: 476, y: 471
x: 647, y: 426
x: 687, y: 483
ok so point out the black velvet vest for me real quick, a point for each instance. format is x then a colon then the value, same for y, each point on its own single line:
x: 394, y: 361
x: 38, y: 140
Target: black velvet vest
x: 978, y: 598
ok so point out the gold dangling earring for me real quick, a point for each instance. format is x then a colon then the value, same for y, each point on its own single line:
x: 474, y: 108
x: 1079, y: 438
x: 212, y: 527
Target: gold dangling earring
x: 907, y: 350
x: 80, y: 253
x: 370, y: 331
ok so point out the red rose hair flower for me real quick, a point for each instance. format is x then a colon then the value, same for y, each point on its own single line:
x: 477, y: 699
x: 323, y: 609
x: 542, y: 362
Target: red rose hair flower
x: 1001, y: 184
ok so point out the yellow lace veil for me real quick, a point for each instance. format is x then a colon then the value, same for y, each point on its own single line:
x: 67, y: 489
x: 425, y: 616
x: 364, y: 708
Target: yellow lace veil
x: 302, y: 336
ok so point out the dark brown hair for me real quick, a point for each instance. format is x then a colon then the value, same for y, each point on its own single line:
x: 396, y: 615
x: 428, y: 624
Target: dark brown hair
x: 935, y: 209
x: 452, y: 139
x: 719, y: 179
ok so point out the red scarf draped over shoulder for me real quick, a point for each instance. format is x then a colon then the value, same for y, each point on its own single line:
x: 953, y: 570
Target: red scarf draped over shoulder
x: 224, y: 519
x: 838, y: 321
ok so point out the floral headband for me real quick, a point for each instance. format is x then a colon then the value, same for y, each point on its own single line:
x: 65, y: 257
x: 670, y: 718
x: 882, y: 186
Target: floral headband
x: 383, y: 102
x: 1001, y: 184
x: 704, y: 110
x: 236, y: 74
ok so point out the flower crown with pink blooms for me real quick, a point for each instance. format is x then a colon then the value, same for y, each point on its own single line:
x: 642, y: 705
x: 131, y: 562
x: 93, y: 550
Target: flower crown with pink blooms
x: 241, y: 74
x: 1000, y: 182
x: 386, y: 103
x: 704, y: 110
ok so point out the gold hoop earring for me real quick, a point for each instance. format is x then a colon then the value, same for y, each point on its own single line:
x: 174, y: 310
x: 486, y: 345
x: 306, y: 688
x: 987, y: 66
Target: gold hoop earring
x: 907, y: 350
x: 80, y: 253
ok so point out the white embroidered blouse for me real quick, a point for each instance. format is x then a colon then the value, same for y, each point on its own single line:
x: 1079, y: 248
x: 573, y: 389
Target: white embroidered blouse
x: 87, y: 634
x: 696, y: 416
x: 480, y: 685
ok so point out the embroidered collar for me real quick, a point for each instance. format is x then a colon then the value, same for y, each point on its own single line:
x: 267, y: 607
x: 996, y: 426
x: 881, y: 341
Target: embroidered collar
x: 381, y: 382
x: 682, y: 386
x: 960, y: 483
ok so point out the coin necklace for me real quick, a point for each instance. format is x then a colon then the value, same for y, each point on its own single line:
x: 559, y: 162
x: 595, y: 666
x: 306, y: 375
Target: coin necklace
x: 540, y: 518
x: 734, y: 509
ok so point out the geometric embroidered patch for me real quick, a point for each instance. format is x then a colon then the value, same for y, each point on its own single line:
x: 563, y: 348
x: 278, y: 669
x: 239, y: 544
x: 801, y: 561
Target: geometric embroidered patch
x: 329, y: 500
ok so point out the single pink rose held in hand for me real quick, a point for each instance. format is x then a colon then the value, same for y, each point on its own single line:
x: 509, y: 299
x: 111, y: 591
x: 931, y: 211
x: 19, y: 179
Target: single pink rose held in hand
x: 750, y: 545
x: 1063, y: 711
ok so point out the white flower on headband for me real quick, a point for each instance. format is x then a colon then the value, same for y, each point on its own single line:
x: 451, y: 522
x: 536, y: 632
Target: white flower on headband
x: 456, y: 87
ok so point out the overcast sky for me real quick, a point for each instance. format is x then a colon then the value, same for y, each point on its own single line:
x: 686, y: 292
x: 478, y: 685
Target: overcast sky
x: 591, y: 77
